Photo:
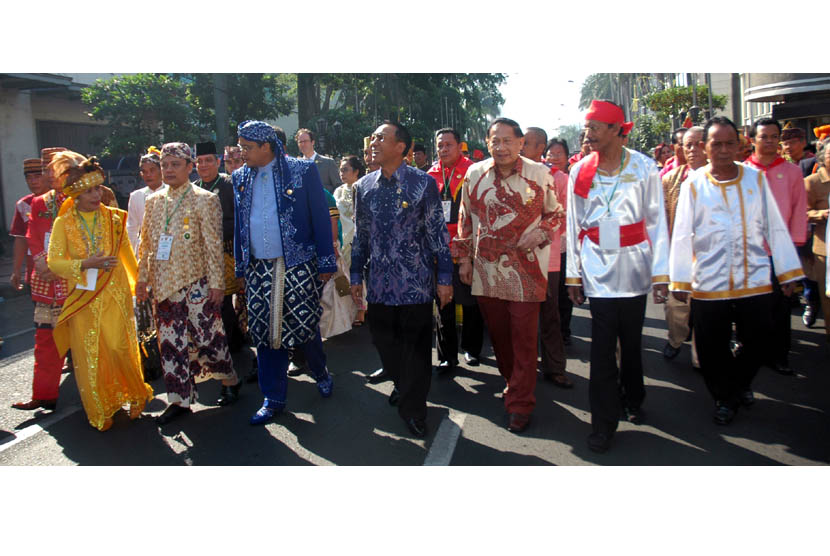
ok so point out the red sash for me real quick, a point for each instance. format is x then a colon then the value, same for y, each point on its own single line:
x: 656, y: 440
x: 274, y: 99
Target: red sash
x: 630, y: 234
x: 586, y: 175
x: 755, y: 162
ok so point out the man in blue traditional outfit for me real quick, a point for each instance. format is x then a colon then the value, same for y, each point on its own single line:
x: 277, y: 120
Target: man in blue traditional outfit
x: 283, y: 248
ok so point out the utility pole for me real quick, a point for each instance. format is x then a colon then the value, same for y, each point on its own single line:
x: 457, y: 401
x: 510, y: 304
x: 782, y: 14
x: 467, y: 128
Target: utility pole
x: 220, y: 102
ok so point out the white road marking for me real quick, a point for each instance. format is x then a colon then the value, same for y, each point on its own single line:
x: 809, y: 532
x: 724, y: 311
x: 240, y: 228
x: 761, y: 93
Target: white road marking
x: 18, y: 333
x: 32, y: 430
x: 443, y: 445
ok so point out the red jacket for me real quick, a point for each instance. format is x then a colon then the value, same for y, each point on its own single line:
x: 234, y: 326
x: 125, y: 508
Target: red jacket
x: 459, y: 171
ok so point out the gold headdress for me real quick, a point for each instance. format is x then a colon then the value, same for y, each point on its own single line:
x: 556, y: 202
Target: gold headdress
x: 75, y: 174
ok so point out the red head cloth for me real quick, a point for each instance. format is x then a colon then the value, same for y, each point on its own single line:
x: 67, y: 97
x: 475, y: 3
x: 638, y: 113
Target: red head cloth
x: 687, y: 123
x: 608, y: 113
x: 478, y: 155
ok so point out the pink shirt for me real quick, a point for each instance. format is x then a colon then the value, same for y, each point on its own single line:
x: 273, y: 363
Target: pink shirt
x: 787, y: 185
x: 670, y: 165
x: 557, y: 246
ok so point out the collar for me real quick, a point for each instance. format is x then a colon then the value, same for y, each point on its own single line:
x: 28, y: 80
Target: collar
x: 312, y: 157
x: 398, y: 174
x: 754, y: 160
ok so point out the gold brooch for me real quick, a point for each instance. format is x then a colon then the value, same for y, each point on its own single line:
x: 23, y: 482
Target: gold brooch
x: 405, y: 204
x: 289, y: 191
x: 780, y: 176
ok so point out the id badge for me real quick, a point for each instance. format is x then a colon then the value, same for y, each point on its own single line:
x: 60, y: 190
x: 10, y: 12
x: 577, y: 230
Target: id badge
x: 447, y: 206
x: 91, y: 279
x: 165, y: 245
x: 46, y: 240
x: 609, y: 233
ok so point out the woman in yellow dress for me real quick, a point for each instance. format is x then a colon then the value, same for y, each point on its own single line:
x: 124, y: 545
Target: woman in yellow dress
x: 90, y: 248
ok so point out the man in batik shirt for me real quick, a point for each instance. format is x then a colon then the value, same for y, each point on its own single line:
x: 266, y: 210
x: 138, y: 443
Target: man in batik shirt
x: 506, y: 224
x: 180, y: 256
x: 401, y: 233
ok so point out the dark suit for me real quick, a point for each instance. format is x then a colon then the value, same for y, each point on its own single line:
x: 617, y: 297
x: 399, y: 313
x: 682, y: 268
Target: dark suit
x: 329, y: 172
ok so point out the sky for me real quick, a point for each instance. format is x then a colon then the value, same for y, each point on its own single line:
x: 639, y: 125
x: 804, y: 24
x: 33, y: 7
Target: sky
x: 542, y: 99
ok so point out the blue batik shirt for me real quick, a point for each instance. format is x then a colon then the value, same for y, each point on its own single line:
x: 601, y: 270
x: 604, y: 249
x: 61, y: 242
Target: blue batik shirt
x: 400, y: 231
x: 266, y: 241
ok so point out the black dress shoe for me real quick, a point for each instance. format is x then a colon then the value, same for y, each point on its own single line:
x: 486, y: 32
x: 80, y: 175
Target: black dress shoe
x: 172, y: 412
x: 471, y: 360
x: 634, y: 415
x: 417, y: 427
x: 378, y: 376
x: 783, y: 369
x: 669, y: 351
x: 599, y: 442
x: 809, y: 316
x: 518, y: 422
x: 566, y: 340
x: 296, y: 370
x: 747, y: 398
x: 723, y: 414
x: 561, y: 381
x: 445, y: 367
x: 394, y: 397
x: 229, y: 394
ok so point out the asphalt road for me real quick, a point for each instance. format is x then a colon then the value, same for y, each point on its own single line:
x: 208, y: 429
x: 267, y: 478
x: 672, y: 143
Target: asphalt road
x: 788, y: 425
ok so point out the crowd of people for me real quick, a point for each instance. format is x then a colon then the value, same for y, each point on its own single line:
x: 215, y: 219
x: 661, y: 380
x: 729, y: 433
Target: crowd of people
x: 280, y: 252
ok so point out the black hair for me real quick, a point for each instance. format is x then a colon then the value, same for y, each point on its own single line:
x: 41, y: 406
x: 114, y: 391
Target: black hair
x: 304, y: 130
x: 558, y: 141
x: 517, y: 130
x: 280, y: 135
x: 401, y: 134
x: 763, y: 121
x: 419, y: 148
x: 674, y: 139
x: 719, y: 120
x: 540, y: 131
x: 356, y: 163
x: 449, y: 130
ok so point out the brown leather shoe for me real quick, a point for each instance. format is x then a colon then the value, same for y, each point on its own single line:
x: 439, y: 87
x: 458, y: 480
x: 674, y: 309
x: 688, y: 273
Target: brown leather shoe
x: 35, y: 404
x: 518, y: 422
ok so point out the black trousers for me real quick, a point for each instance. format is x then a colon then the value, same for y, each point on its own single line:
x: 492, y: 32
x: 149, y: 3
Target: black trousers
x: 566, y: 306
x: 402, y: 334
x: 781, y: 325
x: 231, y: 323
x: 608, y: 388
x: 726, y: 376
x: 472, y: 329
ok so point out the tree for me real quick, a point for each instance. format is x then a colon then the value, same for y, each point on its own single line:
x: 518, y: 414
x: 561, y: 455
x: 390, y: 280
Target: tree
x: 142, y: 109
x: 670, y: 103
x: 570, y: 133
x: 647, y: 133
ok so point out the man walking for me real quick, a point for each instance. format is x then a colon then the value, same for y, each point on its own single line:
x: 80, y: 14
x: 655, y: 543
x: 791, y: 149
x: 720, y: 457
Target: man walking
x: 327, y: 167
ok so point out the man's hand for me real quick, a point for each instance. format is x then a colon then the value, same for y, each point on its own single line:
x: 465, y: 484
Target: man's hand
x: 681, y: 296
x: 14, y: 279
x: 465, y: 273
x: 357, y: 294
x: 788, y: 288
x: 661, y: 293
x: 531, y: 239
x: 326, y: 276
x: 444, y: 295
x: 575, y: 293
x: 141, y: 291
x: 215, y: 297
x: 43, y: 271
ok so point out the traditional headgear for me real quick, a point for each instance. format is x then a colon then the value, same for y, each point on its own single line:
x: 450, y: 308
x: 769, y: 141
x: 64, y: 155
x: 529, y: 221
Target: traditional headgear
x: 177, y: 150
x: 153, y: 155
x: 822, y: 132
x: 792, y: 133
x: 367, y: 141
x: 208, y: 147
x: 608, y: 113
x: 464, y: 146
x: 47, y: 154
x: 687, y: 123
x: 91, y: 174
x: 32, y: 166
x: 254, y: 130
x: 478, y: 155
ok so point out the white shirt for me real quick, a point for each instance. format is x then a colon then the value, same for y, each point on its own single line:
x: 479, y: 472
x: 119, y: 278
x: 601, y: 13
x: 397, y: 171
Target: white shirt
x: 135, y: 212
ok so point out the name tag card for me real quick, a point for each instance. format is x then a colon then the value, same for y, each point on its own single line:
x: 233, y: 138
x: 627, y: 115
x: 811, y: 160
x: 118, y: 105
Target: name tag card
x: 165, y: 246
x: 609, y: 233
x: 447, y: 206
x: 91, y: 279
x: 46, y: 240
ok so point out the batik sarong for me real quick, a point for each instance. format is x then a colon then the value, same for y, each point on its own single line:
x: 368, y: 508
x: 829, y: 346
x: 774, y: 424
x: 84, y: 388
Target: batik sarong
x: 192, y: 343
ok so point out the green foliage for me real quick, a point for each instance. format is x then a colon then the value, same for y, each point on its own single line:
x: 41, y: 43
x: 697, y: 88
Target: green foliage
x: 674, y: 100
x: 141, y: 109
x: 647, y: 133
x: 421, y: 102
x: 570, y: 133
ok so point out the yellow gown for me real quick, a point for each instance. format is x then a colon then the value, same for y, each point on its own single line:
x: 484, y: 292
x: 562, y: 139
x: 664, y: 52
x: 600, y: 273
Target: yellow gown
x: 99, y: 325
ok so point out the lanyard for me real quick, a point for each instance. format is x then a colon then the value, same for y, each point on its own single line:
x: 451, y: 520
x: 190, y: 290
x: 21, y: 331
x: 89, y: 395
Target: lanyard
x: 446, y: 193
x: 212, y: 186
x: 90, y: 236
x: 616, y: 183
x: 175, y: 209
